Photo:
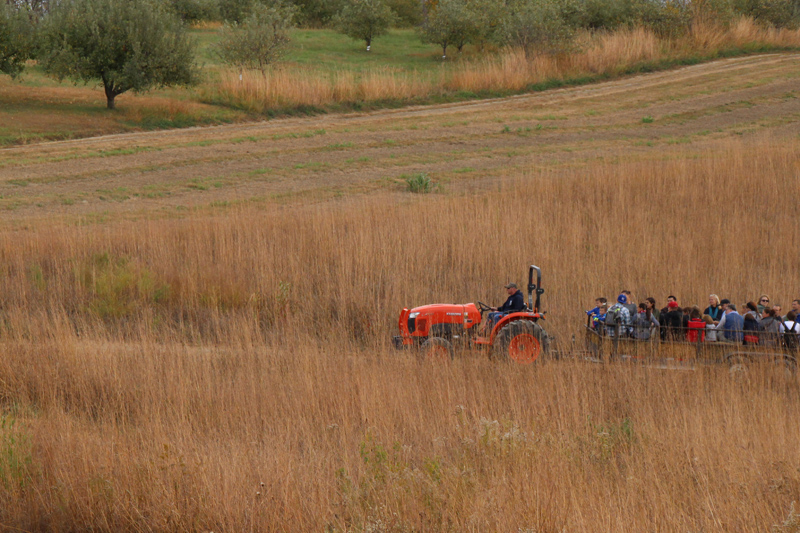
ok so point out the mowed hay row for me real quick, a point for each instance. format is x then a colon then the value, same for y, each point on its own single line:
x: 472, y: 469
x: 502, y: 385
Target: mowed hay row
x: 722, y: 222
x: 164, y: 437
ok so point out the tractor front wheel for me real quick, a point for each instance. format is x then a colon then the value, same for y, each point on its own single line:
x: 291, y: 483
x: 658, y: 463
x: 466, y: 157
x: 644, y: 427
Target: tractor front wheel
x: 436, y: 349
x: 520, y: 341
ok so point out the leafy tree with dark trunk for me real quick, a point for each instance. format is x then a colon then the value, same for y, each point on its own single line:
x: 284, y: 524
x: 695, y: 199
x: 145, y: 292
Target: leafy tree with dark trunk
x: 451, y: 22
x: 364, y: 20
x: 128, y: 45
x: 16, y: 39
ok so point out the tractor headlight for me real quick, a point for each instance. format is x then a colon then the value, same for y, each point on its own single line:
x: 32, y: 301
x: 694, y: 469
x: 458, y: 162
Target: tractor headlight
x: 413, y: 315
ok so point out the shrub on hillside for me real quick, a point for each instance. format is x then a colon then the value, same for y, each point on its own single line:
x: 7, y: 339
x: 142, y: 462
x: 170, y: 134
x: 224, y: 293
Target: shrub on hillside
x: 364, y: 20
x: 260, y: 40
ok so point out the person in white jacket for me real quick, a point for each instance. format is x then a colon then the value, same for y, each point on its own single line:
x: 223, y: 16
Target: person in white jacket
x: 791, y: 324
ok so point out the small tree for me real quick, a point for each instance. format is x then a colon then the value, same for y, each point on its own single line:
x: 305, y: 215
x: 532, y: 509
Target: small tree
x: 260, y: 40
x: 534, y: 26
x: 16, y: 39
x: 364, y: 20
x: 451, y: 22
x: 125, y: 44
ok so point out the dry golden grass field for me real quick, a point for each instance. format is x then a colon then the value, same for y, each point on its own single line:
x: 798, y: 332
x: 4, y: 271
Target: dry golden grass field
x: 195, y: 324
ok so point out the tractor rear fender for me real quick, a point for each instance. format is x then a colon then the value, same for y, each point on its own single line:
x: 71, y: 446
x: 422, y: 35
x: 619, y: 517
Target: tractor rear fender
x: 511, y: 317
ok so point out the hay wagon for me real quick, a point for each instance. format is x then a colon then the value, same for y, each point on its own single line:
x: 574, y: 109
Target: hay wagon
x: 681, y: 348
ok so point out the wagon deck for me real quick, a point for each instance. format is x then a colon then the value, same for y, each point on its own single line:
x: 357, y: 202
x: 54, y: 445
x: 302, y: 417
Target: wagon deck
x: 676, y: 352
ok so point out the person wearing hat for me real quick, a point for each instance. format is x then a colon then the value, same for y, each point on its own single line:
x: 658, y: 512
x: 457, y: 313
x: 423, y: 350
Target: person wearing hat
x: 618, y: 314
x: 673, y: 321
x: 514, y: 303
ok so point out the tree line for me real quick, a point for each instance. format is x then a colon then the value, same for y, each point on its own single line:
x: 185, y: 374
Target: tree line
x: 136, y: 45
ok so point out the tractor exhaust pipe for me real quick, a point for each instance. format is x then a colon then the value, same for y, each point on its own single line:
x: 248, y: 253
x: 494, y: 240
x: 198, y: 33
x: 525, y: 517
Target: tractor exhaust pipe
x: 537, y: 287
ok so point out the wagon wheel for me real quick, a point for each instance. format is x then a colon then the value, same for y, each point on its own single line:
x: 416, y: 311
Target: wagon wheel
x: 777, y: 367
x: 739, y: 366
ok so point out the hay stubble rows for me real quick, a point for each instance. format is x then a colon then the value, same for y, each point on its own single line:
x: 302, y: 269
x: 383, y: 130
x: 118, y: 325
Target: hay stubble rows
x: 327, y: 156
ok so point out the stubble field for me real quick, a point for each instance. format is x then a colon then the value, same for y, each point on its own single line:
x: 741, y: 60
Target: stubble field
x: 195, y: 323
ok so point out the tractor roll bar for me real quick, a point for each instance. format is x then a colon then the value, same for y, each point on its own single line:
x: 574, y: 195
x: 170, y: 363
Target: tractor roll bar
x: 535, y: 287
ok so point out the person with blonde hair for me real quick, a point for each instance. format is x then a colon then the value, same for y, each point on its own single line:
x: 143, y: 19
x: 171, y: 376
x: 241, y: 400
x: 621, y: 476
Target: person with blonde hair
x: 714, y: 309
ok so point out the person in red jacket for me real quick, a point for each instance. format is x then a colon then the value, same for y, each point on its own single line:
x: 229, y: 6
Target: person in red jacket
x: 697, y: 326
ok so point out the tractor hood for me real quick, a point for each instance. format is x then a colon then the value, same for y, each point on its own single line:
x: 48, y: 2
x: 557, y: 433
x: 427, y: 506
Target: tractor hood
x: 442, y: 308
x: 418, y: 321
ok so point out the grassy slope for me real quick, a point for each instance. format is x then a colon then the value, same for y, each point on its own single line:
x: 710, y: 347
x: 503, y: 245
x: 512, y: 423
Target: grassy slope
x: 36, y: 107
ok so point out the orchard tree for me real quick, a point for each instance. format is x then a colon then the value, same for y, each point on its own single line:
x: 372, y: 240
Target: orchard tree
x: 534, y: 26
x: 127, y: 45
x: 194, y: 10
x: 317, y: 13
x: 451, y: 22
x: 235, y: 10
x: 364, y: 20
x: 16, y: 39
x: 258, y: 41
x: 486, y: 17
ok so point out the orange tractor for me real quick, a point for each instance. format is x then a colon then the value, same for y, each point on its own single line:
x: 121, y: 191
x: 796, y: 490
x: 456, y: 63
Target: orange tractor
x: 435, y: 329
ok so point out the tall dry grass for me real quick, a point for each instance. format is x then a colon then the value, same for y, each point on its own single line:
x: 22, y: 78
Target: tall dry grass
x: 310, y: 438
x: 595, y: 54
x: 723, y: 222
x: 232, y: 372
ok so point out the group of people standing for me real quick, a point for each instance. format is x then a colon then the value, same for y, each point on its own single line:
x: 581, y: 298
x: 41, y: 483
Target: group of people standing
x: 721, y: 321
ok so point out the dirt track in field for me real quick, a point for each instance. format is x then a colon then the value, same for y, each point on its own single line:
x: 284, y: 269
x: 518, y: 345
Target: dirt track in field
x: 463, y: 146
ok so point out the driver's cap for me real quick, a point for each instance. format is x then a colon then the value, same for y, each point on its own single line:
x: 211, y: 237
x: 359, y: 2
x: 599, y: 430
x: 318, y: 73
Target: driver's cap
x: 511, y: 286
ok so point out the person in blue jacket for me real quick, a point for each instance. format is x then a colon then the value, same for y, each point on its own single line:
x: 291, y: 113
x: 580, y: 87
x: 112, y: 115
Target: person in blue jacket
x: 734, y: 324
x: 514, y: 303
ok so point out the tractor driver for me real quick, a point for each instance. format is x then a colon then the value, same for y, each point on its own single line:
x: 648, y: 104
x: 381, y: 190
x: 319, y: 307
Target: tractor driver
x: 514, y: 303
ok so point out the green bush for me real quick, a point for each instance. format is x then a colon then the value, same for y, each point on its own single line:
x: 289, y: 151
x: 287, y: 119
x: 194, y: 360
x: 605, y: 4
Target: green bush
x: 420, y: 183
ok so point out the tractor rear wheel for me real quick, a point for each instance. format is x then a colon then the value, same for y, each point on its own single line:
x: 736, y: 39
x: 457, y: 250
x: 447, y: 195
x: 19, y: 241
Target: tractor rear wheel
x: 520, y: 341
x: 436, y: 349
